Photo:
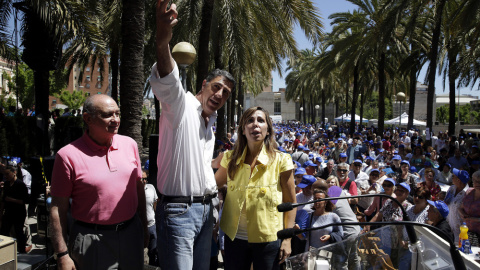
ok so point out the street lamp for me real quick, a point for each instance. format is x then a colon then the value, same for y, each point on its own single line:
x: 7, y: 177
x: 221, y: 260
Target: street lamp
x: 317, y: 107
x: 236, y: 105
x: 184, y: 54
x: 401, y: 97
x: 301, y: 110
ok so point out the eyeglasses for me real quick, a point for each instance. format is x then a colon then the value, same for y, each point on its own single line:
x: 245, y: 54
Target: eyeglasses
x: 342, y: 170
x: 357, y: 164
x: 420, y: 197
x: 144, y: 179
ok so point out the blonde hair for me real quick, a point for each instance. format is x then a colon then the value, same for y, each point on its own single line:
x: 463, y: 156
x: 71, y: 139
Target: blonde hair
x: 335, y: 178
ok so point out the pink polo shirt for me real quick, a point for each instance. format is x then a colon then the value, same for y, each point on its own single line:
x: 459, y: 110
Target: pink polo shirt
x: 100, y: 181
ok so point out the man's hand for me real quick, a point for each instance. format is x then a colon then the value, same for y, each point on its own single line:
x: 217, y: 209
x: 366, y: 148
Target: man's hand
x: 166, y: 19
x: 65, y: 263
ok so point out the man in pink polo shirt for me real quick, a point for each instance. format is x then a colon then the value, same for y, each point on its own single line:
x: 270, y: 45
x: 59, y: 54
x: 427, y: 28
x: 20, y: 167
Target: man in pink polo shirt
x: 101, y: 174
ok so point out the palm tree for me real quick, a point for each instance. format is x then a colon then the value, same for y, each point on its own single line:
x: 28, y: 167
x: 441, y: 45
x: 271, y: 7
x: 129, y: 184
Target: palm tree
x: 449, y: 53
x: 131, y: 69
x: 299, y: 80
x: 368, y: 37
x: 433, y: 57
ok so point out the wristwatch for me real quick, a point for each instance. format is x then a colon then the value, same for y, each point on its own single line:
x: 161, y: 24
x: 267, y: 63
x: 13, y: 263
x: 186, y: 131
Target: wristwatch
x: 56, y: 256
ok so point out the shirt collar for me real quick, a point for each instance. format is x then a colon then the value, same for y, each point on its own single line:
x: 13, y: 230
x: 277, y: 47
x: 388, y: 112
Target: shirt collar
x: 94, y: 146
x: 262, y: 157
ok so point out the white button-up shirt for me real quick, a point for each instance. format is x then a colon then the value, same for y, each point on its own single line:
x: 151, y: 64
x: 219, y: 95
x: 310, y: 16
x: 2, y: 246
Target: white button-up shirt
x: 185, y: 145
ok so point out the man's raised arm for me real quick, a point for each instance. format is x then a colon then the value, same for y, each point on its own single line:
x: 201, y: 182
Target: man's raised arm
x: 166, y: 19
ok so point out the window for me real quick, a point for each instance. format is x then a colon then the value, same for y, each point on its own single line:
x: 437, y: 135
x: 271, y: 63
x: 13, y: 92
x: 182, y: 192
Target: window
x: 99, y: 93
x: 99, y: 85
x: 88, y: 78
x: 98, y: 69
x: 87, y: 69
x: 88, y: 94
x: 54, y: 101
x: 277, y: 106
x: 87, y: 86
x: 99, y: 78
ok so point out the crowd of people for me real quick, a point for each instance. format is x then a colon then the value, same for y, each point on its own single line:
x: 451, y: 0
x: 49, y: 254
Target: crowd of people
x: 436, y: 183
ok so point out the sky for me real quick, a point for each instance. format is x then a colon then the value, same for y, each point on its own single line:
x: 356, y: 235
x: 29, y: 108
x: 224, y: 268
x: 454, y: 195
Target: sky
x: 328, y: 7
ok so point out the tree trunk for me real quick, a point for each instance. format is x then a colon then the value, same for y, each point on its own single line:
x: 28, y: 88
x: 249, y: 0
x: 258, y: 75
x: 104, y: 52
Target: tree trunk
x: 354, y: 99
x: 323, y: 108
x: 312, y: 110
x: 131, y: 70
x: 451, y: 85
x: 337, y: 105
x: 304, y: 107
x: 42, y: 89
x: 413, y: 91
x: 114, y: 64
x: 433, y: 63
x: 381, y: 94
x: 346, y: 97
x: 240, y: 97
x: 362, y: 101
x: 203, y: 43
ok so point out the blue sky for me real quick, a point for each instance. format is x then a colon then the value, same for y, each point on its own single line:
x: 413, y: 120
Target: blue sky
x: 327, y: 7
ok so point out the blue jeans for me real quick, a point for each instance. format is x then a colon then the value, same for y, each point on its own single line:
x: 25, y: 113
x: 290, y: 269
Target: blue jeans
x: 184, y: 234
x: 152, y: 246
x: 239, y: 254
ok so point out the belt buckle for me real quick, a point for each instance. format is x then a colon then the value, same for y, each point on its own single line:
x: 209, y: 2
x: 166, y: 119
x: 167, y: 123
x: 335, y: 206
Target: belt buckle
x: 203, y: 199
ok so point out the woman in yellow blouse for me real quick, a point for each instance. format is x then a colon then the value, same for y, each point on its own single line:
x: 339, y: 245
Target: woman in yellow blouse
x: 258, y: 178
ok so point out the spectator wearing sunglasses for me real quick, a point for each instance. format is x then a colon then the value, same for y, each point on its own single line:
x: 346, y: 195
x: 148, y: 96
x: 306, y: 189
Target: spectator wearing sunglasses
x: 347, y: 184
x: 388, y: 186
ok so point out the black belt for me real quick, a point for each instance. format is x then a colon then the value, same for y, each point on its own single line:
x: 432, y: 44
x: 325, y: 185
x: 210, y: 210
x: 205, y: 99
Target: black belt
x: 187, y: 199
x: 112, y: 227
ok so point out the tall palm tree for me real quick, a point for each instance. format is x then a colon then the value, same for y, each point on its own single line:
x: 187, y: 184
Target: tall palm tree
x: 131, y: 69
x: 371, y: 34
x: 299, y: 80
x: 433, y: 57
x: 449, y: 52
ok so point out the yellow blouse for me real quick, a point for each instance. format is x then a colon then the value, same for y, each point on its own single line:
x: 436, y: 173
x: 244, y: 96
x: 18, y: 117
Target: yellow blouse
x: 261, y: 192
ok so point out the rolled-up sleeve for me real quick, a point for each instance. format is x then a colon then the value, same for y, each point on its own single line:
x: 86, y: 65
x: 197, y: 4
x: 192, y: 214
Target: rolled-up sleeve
x: 169, y: 91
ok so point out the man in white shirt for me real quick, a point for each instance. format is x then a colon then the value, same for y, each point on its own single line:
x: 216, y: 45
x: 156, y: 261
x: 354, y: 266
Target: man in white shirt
x: 151, y: 204
x: 357, y: 175
x: 405, y: 139
x: 185, y: 177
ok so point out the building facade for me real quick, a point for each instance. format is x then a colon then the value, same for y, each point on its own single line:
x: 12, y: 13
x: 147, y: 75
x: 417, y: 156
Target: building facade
x: 92, y: 82
x: 7, y: 69
x: 276, y: 105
